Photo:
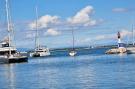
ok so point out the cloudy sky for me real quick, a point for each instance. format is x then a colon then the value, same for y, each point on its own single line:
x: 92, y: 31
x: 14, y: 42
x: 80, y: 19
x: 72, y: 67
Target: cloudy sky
x: 95, y: 22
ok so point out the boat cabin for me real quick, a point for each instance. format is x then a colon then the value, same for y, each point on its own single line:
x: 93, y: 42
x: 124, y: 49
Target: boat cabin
x: 42, y: 50
x: 4, y: 44
x: 4, y: 49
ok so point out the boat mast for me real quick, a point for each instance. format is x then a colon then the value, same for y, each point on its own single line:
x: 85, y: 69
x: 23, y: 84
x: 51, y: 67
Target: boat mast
x: 37, y: 38
x: 12, y: 31
x: 73, y: 38
x: 133, y: 34
x: 8, y: 25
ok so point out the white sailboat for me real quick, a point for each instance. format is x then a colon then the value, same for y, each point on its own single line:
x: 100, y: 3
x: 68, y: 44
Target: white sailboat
x: 72, y: 52
x: 8, y: 52
x: 39, y: 51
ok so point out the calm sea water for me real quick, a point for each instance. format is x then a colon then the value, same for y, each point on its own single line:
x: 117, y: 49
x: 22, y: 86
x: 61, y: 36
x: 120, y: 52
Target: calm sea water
x: 91, y: 69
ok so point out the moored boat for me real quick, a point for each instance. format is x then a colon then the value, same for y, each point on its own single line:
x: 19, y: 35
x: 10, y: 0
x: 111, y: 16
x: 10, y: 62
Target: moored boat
x: 39, y: 51
x: 8, y: 52
x: 73, y: 51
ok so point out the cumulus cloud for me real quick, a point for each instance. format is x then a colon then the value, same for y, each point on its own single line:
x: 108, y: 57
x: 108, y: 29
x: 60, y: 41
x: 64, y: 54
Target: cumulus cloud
x: 83, y: 17
x: 49, y: 32
x: 45, y: 21
x: 52, y: 32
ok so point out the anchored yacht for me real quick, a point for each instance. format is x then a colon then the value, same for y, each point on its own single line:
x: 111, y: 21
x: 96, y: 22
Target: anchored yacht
x: 8, y: 52
x: 39, y: 50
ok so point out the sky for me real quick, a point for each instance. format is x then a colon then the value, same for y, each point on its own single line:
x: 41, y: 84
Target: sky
x: 95, y: 22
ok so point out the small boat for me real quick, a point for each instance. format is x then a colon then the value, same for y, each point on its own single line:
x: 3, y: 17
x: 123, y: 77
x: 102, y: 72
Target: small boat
x: 72, y: 52
x: 8, y: 52
x: 39, y: 51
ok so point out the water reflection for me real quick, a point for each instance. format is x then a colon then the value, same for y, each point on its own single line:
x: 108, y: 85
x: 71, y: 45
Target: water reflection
x: 85, y: 77
x: 10, y: 76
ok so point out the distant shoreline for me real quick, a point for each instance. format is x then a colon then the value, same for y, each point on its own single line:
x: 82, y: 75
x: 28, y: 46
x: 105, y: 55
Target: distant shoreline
x: 79, y: 48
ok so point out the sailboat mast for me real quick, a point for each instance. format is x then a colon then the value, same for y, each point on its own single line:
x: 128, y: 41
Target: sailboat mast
x: 37, y: 38
x: 73, y: 37
x: 8, y: 24
x: 133, y: 34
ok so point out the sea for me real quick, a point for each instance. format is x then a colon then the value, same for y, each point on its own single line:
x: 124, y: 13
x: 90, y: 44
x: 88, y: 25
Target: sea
x: 89, y: 69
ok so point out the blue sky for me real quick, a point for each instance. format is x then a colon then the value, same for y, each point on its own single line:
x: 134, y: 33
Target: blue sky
x: 95, y: 22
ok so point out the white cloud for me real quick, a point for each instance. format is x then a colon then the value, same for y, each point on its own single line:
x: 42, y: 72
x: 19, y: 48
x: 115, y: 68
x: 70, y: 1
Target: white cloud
x: 83, y: 17
x: 52, y: 32
x: 125, y: 32
x: 120, y: 10
x: 45, y: 21
x: 84, y: 40
x: 105, y: 37
x: 30, y: 35
x: 49, y: 32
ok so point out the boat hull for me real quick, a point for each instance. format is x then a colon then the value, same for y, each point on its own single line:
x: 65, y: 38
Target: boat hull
x: 35, y: 55
x: 14, y: 59
x: 72, y: 53
x: 40, y: 54
x: 18, y: 59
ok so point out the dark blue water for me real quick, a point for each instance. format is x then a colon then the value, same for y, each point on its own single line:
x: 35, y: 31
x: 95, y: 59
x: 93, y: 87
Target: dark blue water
x: 91, y: 69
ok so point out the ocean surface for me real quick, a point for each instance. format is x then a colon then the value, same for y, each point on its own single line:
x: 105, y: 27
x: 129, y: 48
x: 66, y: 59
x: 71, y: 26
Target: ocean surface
x: 90, y: 69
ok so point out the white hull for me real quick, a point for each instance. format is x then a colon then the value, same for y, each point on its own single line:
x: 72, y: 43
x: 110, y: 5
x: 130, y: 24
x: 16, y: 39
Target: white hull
x: 72, y: 53
x: 40, y: 54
